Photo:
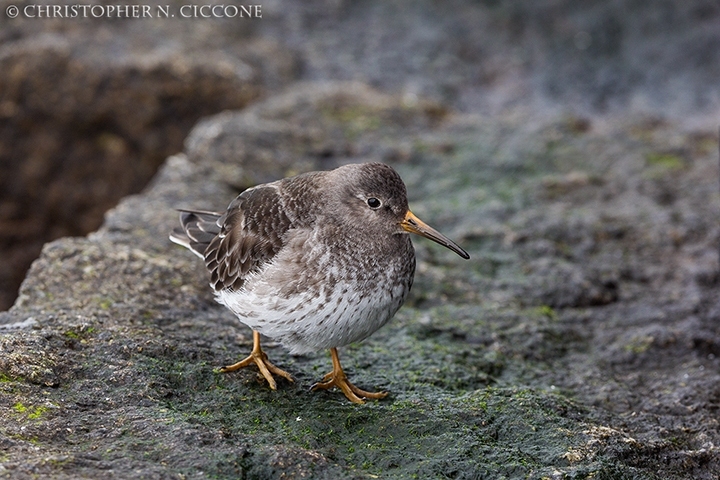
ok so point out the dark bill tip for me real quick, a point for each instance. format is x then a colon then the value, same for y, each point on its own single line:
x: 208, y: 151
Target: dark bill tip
x: 413, y: 224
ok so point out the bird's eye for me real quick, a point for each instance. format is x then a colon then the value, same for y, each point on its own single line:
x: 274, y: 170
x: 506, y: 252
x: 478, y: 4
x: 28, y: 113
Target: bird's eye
x: 373, y: 202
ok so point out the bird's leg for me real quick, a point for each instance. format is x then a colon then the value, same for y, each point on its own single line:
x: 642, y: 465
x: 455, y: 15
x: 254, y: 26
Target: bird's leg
x: 259, y: 358
x: 337, y: 378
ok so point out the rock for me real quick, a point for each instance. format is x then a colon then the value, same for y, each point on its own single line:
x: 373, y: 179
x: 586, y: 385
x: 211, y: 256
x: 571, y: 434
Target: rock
x: 115, y: 372
x: 314, y: 126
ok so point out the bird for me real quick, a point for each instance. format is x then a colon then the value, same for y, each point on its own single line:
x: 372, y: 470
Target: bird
x: 314, y: 261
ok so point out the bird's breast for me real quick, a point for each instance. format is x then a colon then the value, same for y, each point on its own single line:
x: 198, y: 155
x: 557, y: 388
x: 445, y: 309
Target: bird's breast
x: 323, y: 299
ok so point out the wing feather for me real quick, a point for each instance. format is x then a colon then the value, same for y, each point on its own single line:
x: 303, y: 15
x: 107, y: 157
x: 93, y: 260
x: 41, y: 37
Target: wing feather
x: 252, y: 232
x: 198, y: 229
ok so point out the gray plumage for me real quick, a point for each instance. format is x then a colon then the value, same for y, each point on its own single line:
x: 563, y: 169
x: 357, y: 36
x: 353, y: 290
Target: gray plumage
x: 309, y: 260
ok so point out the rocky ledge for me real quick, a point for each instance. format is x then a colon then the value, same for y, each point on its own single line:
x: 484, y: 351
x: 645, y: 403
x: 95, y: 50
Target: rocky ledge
x: 580, y: 341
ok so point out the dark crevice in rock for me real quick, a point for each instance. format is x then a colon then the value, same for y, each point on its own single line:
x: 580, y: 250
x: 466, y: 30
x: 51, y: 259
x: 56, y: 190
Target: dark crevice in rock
x: 76, y: 136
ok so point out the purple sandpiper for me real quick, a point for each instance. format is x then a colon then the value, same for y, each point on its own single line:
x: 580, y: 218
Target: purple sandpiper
x: 314, y: 261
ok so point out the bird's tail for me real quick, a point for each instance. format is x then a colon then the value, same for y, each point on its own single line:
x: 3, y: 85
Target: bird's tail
x: 197, y: 230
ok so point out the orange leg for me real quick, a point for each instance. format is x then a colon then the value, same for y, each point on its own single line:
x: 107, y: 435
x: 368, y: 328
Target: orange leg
x: 259, y: 358
x: 337, y: 378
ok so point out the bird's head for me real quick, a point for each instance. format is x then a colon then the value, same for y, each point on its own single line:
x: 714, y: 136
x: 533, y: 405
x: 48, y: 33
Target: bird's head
x: 374, y: 198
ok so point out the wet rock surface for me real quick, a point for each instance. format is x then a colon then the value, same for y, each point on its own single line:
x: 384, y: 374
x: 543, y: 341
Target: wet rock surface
x: 581, y: 340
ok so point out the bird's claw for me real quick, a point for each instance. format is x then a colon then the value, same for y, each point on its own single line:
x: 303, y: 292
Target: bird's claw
x: 337, y: 378
x: 259, y: 358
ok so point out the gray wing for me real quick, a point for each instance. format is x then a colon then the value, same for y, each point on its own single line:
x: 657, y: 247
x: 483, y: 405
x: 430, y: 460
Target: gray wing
x: 251, y: 232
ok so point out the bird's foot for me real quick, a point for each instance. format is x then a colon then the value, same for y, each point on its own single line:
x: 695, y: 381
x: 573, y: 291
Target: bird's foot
x: 259, y: 358
x: 337, y: 378
x: 353, y: 393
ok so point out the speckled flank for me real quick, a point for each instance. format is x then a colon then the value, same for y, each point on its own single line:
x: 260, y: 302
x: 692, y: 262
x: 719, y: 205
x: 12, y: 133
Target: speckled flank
x: 317, y: 301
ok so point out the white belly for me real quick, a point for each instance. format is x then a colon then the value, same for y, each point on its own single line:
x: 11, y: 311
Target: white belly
x: 304, y: 324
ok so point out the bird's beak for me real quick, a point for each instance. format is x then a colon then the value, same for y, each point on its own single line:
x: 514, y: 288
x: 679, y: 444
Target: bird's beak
x: 413, y: 224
